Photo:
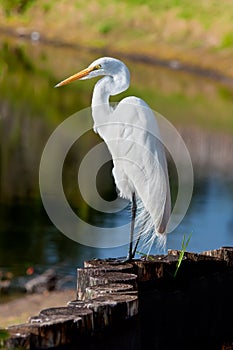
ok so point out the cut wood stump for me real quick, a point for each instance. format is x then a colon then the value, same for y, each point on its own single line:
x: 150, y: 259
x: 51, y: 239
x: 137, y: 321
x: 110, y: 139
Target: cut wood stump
x: 109, y: 309
x: 110, y: 265
x: 224, y: 253
x: 145, y: 302
x: 88, y: 277
x: 86, y: 315
x: 156, y: 267
x: 46, y: 334
x: 109, y: 288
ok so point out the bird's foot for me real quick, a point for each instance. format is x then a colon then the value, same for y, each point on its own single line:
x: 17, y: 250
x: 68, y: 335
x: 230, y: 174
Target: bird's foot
x: 127, y: 260
x: 130, y: 257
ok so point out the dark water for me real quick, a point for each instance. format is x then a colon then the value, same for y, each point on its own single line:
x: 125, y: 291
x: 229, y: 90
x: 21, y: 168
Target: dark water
x: 30, y: 110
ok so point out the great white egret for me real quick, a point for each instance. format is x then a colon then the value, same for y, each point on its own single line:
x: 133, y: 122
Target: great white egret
x: 131, y: 133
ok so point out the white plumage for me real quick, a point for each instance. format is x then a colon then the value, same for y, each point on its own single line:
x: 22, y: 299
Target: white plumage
x: 131, y: 132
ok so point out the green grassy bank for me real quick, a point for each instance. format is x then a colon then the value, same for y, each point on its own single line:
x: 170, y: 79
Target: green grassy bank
x: 197, y: 33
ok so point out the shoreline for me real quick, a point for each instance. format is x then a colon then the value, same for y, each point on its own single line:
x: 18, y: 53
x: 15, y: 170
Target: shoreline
x: 174, y: 64
x: 20, y: 309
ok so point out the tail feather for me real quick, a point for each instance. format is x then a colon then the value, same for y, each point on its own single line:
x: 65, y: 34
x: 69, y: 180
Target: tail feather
x: 146, y: 230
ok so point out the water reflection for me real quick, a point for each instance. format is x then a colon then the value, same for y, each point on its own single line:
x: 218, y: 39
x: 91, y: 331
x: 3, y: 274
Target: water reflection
x: 30, y: 109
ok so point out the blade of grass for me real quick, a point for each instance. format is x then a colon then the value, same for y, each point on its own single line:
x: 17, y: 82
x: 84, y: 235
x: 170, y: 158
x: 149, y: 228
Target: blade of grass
x: 184, y: 246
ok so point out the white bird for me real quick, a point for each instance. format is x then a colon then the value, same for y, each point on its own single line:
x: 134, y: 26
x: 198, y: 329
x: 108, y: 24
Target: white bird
x: 131, y: 133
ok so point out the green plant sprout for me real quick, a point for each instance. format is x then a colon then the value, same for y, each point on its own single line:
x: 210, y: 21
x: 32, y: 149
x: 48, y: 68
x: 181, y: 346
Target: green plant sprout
x: 184, y: 246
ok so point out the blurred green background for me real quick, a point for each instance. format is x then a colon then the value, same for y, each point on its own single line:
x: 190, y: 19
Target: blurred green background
x: 180, y: 57
x: 197, y: 33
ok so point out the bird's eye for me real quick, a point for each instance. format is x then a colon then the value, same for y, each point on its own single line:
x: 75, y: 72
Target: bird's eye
x: 98, y: 66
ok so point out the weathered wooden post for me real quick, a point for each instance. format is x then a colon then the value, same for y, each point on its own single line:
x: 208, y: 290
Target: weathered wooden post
x: 141, y: 305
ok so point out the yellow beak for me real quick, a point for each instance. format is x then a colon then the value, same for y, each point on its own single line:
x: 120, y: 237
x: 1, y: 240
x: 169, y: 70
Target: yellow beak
x: 76, y: 76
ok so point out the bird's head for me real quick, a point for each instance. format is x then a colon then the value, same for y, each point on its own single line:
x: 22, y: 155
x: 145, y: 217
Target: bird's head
x: 100, y: 67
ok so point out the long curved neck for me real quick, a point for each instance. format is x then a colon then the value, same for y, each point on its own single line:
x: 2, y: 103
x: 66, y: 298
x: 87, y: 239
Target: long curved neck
x: 102, y: 92
x: 108, y: 86
x: 100, y: 103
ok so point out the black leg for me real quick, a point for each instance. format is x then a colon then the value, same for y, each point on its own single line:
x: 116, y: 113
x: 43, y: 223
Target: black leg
x: 136, y: 245
x: 134, y: 209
